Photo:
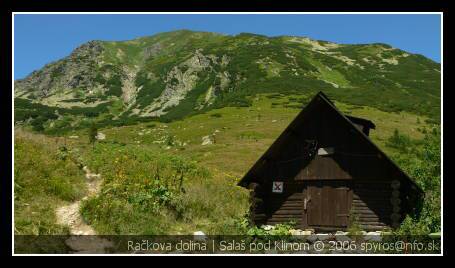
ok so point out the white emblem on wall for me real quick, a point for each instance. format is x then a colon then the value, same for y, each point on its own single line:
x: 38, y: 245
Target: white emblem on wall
x: 277, y: 187
x: 326, y: 151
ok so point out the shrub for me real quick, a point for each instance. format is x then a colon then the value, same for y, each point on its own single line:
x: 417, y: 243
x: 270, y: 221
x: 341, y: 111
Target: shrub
x: 399, y: 141
x: 216, y: 115
x: 425, y: 167
x: 271, y: 232
x: 92, y: 133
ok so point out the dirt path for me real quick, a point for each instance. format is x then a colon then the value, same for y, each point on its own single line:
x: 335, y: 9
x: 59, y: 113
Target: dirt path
x: 83, y: 239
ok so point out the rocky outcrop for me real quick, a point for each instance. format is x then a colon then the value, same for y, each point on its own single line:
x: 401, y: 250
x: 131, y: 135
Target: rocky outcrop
x: 152, y: 50
x: 129, y: 89
x: 77, y: 71
x: 183, y: 78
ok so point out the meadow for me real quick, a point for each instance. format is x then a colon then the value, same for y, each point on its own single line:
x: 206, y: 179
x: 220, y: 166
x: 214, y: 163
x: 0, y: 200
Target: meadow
x: 159, y: 178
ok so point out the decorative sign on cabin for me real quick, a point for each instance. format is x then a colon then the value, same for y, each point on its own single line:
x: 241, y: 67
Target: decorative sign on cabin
x: 332, y: 170
x: 326, y: 151
x: 277, y: 187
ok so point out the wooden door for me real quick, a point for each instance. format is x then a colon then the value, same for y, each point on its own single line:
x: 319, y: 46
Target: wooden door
x: 327, y: 204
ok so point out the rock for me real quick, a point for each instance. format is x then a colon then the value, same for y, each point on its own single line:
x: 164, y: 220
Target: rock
x: 299, y: 232
x: 199, y: 235
x: 312, y: 238
x: 268, y: 227
x: 179, y: 81
x: 206, y: 140
x: 295, y: 232
x: 323, y: 237
x: 385, y: 233
x: 87, y: 243
x: 100, y: 136
x: 92, y: 176
x: 373, y: 236
x: 342, y: 238
x: 341, y: 233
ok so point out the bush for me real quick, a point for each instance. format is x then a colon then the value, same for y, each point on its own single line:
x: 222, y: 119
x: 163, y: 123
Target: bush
x: 425, y: 167
x: 276, y: 231
x: 92, y: 133
x: 399, y: 141
x: 216, y: 115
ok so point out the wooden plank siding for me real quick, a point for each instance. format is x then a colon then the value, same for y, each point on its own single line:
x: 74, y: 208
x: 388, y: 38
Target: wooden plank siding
x: 287, y: 206
x: 372, y: 204
x: 368, y: 202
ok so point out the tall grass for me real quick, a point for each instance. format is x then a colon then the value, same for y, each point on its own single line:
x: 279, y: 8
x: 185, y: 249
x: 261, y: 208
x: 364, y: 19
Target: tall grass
x: 43, y: 178
x: 146, y: 192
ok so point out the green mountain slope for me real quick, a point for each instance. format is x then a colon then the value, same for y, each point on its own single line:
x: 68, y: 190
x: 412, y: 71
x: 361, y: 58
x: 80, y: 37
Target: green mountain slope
x: 172, y: 75
x: 142, y: 167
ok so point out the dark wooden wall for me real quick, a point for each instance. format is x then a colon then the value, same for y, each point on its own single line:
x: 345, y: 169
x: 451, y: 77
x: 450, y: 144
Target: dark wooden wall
x: 373, y: 202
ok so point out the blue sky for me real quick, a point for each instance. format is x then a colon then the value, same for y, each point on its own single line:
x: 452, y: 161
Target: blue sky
x: 40, y: 39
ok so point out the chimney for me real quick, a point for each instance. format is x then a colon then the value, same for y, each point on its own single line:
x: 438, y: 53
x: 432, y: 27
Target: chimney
x: 363, y: 125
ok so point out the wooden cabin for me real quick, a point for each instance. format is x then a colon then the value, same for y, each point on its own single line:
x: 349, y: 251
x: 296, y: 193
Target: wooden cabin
x: 324, y: 172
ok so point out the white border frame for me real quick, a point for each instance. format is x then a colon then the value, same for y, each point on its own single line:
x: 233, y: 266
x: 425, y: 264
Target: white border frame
x: 228, y: 13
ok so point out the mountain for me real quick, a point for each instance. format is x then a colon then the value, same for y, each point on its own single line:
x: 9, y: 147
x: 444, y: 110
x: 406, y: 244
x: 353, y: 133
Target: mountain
x: 171, y: 75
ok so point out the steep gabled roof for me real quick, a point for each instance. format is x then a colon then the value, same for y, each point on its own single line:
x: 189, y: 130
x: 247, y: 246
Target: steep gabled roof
x: 299, y: 119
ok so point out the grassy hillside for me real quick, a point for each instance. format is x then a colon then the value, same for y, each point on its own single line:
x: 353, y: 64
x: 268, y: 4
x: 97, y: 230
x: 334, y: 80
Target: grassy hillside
x: 243, y: 134
x: 170, y: 76
x: 159, y: 178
